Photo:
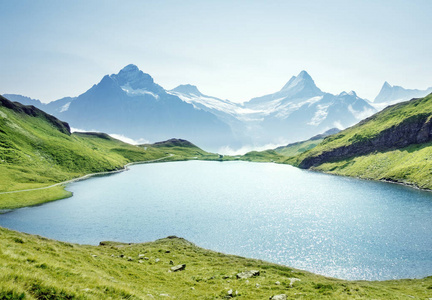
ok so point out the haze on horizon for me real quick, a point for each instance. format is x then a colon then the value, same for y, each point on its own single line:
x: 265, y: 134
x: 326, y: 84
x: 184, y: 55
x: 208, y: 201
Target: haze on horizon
x: 231, y: 50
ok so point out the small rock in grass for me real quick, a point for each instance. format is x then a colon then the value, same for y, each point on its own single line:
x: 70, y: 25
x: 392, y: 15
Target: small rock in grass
x: 257, y: 285
x: 178, y: 268
x: 248, y: 274
x: 157, y: 260
x: 230, y: 293
x: 94, y: 255
x: 192, y: 288
x: 130, y: 258
x: 141, y: 261
x: 171, y: 262
x: 279, y: 297
x: 277, y: 283
x: 141, y: 255
x: 292, y: 280
x: 146, y: 258
x: 164, y: 295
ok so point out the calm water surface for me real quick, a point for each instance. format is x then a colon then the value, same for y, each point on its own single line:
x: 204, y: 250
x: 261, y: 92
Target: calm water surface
x: 336, y: 226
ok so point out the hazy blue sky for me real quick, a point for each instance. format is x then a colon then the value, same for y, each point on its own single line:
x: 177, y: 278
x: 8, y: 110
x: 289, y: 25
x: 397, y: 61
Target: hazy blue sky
x: 229, y: 49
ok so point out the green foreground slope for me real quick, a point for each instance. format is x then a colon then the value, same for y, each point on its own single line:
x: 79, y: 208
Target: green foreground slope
x: 37, y: 150
x: 33, y: 267
x: 393, y: 145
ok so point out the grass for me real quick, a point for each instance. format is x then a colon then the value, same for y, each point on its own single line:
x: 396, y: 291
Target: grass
x: 298, y: 148
x: 34, y: 267
x: 411, y: 165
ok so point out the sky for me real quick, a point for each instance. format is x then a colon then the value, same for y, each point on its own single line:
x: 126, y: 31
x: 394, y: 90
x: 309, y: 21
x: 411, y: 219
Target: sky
x: 233, y: 50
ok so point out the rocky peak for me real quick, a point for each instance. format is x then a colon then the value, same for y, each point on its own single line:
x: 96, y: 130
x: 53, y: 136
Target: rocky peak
x: 134, y: 78
x: 187, y: 89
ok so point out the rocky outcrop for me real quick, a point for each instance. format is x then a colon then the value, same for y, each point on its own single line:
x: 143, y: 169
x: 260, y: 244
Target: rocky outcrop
x: 32, y: 111
x: 248, y: 274
x: 413, y: 130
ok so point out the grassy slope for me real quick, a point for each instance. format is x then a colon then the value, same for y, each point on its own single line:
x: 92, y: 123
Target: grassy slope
x: 375, y: 124
x: 298, y: 148
x: 410, y: 165
x: 36, y: 267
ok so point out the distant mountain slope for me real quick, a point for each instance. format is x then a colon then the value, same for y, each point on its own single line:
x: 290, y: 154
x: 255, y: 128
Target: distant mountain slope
x: 394, y: 144
x: 130, y: 103
x: 300, y: 109
x: 303, y: 146
x: 229, y: 112
x: 393, y: 94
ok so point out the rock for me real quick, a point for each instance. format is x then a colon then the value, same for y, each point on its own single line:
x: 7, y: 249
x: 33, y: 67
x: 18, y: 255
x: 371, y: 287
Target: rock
x: 157, y: 260
x: 225, y: 277
x: 141, y: 255
x: 146, y: 258
x: 164, y: 295
x: 292, y: 280
x: 230, y: 293
x: 171, y: 262
x: 192, y: 288
x: 257, y: 285
x: 130, y: 258
x: 279, y: 297
x: 94, y: 255
x: 277, y: 283
x: 141, y: 261
x: 178, y: 268
x: 248, y: 274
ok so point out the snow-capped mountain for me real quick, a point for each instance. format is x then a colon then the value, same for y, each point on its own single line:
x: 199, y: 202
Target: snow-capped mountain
x: 300, y: 110
x: 130, y: 103
x: 394, y: 94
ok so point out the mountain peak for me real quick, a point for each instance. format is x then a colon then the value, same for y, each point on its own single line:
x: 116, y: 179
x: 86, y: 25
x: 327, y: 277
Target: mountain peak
x: 135, y: 79
x: 187, y: 89
x: 386, y: 85
x: 130, y: 68
x: 303, y: 79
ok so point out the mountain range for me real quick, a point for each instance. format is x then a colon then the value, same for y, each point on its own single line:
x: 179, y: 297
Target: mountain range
x: 131, y: 104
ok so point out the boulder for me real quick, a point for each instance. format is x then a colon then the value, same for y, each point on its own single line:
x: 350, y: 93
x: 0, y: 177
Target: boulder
x: 178, y: 268
x: 248, y: 274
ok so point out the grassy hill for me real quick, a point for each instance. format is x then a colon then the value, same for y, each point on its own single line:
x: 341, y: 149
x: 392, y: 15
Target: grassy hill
x: 37, y: 150
x: 34, y: 267
x: 297, y: 148
x: 394, y: 144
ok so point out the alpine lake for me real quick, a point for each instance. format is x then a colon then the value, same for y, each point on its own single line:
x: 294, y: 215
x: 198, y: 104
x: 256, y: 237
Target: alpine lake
x: 335, y: 226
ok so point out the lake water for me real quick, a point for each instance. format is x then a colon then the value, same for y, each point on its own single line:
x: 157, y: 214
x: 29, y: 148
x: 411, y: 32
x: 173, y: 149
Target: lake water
x: 335, y: 226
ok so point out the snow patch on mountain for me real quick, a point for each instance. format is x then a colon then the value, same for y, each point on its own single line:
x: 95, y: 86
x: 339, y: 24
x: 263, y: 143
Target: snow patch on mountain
x: 65, y: 107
